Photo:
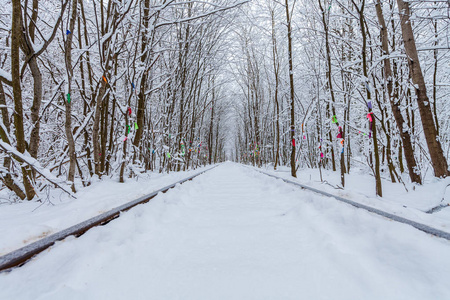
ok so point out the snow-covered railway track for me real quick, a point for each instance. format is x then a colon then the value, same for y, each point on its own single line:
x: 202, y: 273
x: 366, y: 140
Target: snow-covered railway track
x: 393, y: 217
x: 22, y: 255
x: 236, y: 234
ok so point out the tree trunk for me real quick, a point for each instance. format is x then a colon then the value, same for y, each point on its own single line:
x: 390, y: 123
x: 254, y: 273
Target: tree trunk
x: 435, y: 71
x: 68, y: 102
x: 211, y: 126
x: 360, y: 10
x: 17, y: 91
x: 27, y: 43
x: 330, y: 86
x: 291, y: 82
x: 276, y: 68
x: 37, y: 84
x: 406, y: 138
x: 7, y: 178
x: 96, y: 128
x: 434, y: 146
x: 35, y: 108
x: 142, y: 97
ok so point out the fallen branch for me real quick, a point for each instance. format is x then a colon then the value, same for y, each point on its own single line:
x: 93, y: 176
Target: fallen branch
x: 34, y: 164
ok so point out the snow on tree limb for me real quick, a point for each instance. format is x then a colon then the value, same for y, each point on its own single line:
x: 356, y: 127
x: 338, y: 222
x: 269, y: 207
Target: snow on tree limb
x: 35, y: 165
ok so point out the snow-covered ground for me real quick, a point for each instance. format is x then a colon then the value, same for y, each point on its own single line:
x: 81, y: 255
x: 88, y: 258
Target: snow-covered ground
x: 25, y: 222
x: 410, y: 200
x: 233, y: 233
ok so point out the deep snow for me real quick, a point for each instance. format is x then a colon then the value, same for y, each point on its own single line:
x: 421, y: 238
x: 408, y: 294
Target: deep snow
x: 410, y: 200
x: 25, y: 222
x: 233, y: 233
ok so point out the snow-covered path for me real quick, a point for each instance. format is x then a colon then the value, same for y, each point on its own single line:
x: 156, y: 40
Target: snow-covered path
x: 236, y: 234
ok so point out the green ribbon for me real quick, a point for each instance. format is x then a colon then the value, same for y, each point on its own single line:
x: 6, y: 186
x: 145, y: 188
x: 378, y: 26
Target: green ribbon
x: 136, y: 126
x: 334, y: 119
x: 129, y: 128
x: 68, y: 98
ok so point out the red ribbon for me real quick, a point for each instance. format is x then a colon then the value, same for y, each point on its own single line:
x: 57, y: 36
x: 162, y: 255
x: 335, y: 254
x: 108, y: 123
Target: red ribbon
x: 293, y: 142
x: 339, y: 136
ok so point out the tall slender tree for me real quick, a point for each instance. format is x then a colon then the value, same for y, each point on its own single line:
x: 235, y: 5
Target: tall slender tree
x: 292, y: 88
x: 394, y: 102
x: 438, y: 160
x: 16, y: 38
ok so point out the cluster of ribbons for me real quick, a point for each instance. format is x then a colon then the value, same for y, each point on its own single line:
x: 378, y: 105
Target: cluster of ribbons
x: 129, y: 112
x: 253, y: 150
x: 136, y: 127
x: 256, y: 151
x: 320, y: 149
x: 303, y: 134
x: 183, y: 149
x: 340, y: 134
x: 68, y: 94
x: 196, y: 149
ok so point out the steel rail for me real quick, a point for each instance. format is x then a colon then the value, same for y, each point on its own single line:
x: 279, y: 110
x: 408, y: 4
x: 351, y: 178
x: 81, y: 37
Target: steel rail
x: 22, y: 255
x: 417, y: 225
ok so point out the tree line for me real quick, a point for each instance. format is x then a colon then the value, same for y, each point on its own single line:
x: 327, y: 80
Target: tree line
x: 105, y: 88
x: 366, y: 86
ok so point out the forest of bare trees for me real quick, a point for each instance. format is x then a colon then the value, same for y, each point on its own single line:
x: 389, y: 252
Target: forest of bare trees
x: 117, y: 88
x: 371, y: 83
x: 100, y: 88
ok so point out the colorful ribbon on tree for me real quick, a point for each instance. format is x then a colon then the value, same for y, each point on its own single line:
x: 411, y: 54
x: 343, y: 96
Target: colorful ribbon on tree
x: 183, y: 151
x: 370, y: 117
x: 340, y: 133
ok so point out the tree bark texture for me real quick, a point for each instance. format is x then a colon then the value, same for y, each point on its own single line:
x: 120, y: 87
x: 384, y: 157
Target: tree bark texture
x: 68, y: 100
x: 438, y: 160
x: 292, y: 94
x: 394, y: 102
x: 17, y: 91
x: 360, y: 10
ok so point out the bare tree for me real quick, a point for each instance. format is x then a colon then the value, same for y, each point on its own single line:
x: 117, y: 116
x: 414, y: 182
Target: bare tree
x: 405, y: 136
x: 438, y: 160
x: 17, y: 92
x: 292, y: 94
